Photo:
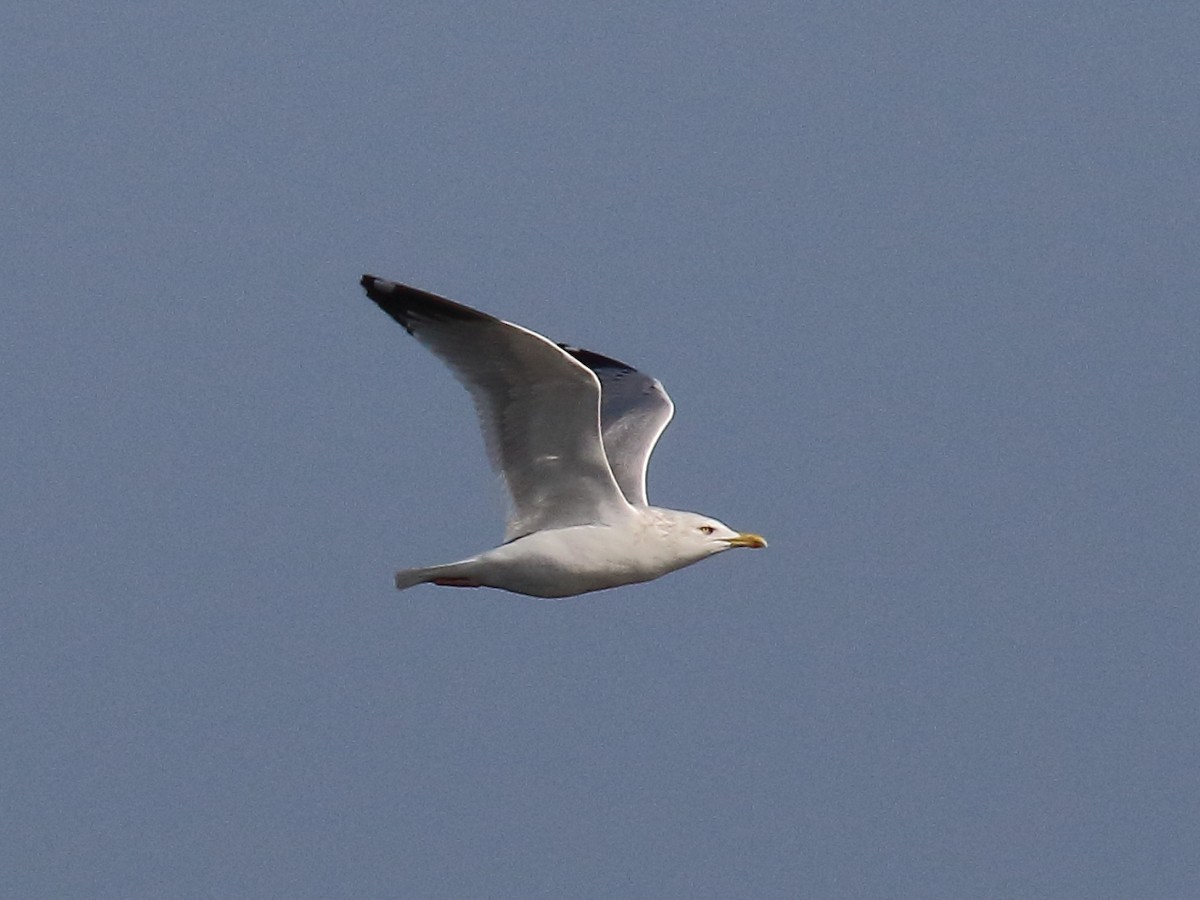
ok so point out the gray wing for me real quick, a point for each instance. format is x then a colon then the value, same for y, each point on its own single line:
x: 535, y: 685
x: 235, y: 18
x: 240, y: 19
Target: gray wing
x: 634, y: 410
x: 538, y: 407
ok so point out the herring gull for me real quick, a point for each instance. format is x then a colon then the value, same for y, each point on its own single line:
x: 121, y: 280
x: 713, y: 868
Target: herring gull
x: 571, y: 433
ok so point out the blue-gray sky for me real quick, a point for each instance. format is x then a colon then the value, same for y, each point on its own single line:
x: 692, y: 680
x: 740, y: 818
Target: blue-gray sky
x: 922, y: 280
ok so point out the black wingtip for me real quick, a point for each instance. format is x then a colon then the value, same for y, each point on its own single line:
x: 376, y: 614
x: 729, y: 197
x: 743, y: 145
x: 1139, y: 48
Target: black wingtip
x: 383, y: 293
x: 373, y: 285
x: 596, y: 361
x: 407, y: 304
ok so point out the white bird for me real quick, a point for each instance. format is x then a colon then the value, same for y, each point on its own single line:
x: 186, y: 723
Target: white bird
x: 571, y: 432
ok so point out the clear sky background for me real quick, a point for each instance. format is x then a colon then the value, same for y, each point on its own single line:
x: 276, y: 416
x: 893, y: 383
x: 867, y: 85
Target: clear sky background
x: 923, y: 281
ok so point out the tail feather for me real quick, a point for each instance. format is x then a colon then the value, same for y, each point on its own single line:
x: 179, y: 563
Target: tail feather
x: 452, y: 575
x: 407, y: 578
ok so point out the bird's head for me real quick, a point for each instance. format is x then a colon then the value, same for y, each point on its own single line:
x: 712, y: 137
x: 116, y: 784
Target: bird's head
x: 703, y: 536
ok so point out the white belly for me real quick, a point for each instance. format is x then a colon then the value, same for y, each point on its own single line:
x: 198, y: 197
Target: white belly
x: 576, y: 560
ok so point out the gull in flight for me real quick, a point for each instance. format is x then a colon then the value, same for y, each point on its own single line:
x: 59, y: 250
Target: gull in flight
x: 571, y: 432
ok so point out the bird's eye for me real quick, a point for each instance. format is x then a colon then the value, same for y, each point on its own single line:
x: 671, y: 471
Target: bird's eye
x: 707, y: 529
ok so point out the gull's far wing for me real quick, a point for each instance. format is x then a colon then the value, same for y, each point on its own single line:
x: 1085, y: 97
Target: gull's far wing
x: 634, y: 410
x: 539, y: 409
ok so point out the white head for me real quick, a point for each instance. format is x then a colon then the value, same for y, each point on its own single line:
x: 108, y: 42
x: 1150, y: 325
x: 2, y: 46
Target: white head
x: 693, y: 536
